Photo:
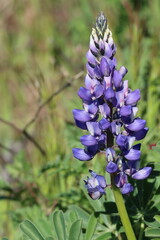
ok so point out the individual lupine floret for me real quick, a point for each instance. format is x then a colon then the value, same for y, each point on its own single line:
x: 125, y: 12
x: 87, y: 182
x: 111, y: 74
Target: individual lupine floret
x: 130, y: 169
x: 95, y: 185
x: 109, y: 114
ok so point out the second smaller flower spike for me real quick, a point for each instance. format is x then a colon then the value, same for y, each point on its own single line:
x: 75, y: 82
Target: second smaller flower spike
x: 95, y: 185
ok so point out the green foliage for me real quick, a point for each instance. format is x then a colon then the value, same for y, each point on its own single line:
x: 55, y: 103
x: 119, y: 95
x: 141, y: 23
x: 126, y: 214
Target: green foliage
x: 65, y: 226
x: 42, y: 47
x: 59, y: 225
x: 75, y: 230
x: 30, y: 230
x: 91, y: 227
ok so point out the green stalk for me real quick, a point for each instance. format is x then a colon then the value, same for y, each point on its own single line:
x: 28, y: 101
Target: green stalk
x: 123, y: 212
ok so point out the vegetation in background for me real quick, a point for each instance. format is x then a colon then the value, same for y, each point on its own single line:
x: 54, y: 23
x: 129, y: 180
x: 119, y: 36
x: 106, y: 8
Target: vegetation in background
x: 43, y: 46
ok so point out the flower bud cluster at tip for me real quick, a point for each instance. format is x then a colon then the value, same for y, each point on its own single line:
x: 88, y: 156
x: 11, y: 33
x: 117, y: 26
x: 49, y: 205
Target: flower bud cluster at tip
x: 109, y: 115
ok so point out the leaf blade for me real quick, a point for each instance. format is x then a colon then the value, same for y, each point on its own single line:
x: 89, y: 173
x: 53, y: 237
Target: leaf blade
x: 59, y: 225
x: 30, y: 230
x: 75, y: 230
x: 92, y: 223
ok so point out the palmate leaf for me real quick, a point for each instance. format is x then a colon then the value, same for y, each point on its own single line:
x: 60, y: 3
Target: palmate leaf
x: 30, y: 230
x: 104, y: 236
x: 157, y: 218
x: 59, y: 225
x: 75, y: 230
x: 152, y: 232
x: 81, y: 214
x: 50, y: 238
x: 91, y: 227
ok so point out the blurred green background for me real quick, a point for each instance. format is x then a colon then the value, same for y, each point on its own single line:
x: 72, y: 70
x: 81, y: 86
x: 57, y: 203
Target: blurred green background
x: 42, y: 46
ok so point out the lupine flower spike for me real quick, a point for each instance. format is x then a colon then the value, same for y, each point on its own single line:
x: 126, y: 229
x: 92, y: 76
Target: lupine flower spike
x: 109, y: 115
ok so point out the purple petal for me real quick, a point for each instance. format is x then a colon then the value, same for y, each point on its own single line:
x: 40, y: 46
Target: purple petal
x: 81, y: 154
x: 88, y: 82
x: 142, y: 173
x: 120, y: 180
x: 123, y: 71
x: 122, y: 141
x: 88, y: 140
x: 111, y: 167
x: 92, y: 108
x: 117, y: 79
x: 120, y: 98
x: 104, y: 124
x: 91, y: 58
x: 112, y: 63
x: 104, y: 67
x: 110, y: 154
x: 125, y: 87
x: 90, y: 70
x: 115, y: 128
x: 126, y: 110
x: 114, y: 48
x: 98, y: 90
x: 84, y: 94
x: 101, y: 44
x: 104, y: 110
x: 109, y: 93
x: 137, y: 146
x: 127, y: 188
x: 101, y: 180
x: 135, y: 110
x: 137, y: 125
x: 93, y: 128
x: 133, y: 97
x: 108, y: 50
x: 95, y: 195
x: 131, y: 140
x: 108, y: 82
x: 81, y: 125
x: 140, y: 134
x: 102, y: 142
x: 93, y: 46
x: 132, y: 166
x: 92, y: 150
x: 81, y: 115
x: 97, y: 72
x: 132, y: 154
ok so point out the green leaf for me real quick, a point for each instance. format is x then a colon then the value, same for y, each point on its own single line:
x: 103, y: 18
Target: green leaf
x: 30, y: 230
x: 157, y: 218
x: 104, y: 236
x: 73, y: 216
x: 4, y: 238
x: 91, y: 227
x: 75, y: 230
x: 49, y: 238
x: 59, y: 225
x: 152, y: 232
x: 82, y: 214
x: 152, y: 224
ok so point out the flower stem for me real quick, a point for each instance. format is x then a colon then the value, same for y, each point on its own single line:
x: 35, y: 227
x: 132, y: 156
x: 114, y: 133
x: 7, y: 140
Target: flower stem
x: 141, y: 231
x: 123, y: 212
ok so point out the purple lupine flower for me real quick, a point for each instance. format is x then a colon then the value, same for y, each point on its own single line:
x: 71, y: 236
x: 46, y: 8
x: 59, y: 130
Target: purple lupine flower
x: 95, y: 185
x: 109, y: 115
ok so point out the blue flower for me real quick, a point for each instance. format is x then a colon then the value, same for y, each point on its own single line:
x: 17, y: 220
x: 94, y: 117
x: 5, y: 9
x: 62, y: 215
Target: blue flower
x: 109, y: 112
x: 95, y: 185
